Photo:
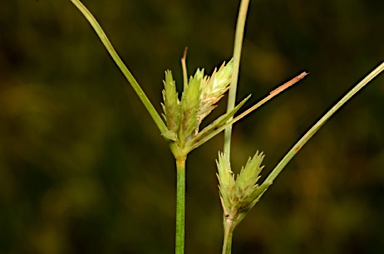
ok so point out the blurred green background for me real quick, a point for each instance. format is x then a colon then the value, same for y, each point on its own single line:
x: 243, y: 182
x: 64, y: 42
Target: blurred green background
x: 83, y: 169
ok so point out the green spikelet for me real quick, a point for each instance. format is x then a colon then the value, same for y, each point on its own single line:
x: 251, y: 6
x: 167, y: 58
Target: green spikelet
x: 190, y: 104
x: 214, y: 87
x: 171, y: 107
x: 249, y: 175
x: 226, y: 182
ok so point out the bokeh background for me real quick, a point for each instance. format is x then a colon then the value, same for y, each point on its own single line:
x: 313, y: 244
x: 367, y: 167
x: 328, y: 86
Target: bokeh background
x: 83, y: 169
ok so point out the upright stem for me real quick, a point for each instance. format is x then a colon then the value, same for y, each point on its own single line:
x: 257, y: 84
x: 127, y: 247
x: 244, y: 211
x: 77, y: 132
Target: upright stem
x: 228, y: 232
x: 242, y: 16
x: 239, y: 35
x: 180, y: 205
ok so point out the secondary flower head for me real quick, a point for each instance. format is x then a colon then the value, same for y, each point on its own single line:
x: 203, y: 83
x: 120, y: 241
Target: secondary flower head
x: 238, y: 195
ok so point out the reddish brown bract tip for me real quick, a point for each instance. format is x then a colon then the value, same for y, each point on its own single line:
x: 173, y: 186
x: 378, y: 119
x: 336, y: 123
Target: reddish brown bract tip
x: 289, y: 83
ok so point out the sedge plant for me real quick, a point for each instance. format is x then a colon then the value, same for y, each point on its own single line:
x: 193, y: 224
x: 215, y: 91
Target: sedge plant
x: 183, y: 114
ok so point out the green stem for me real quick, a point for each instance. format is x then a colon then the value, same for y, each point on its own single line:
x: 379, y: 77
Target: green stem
x: 180, y: 205
x: 294, y: 150
x: 128, y: 75
x: 228, y: 233
x: 239, y: 35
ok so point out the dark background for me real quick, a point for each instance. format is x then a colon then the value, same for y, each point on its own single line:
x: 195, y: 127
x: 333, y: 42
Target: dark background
x: 83, y: 169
